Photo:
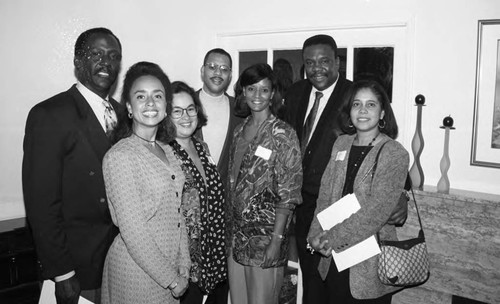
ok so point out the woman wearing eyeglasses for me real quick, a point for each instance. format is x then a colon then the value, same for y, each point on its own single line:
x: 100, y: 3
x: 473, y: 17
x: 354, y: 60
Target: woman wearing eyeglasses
x: 265, y: 177
x: 202, y: 198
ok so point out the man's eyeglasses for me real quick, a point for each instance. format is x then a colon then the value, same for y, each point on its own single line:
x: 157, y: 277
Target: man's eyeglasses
x: 177, y: 112
x: 224, y: 69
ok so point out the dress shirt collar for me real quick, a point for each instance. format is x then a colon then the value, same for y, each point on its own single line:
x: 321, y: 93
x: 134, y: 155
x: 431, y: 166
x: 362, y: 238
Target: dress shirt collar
x: 90, y: 96
x: 95, y: 103
x: 326, y: 93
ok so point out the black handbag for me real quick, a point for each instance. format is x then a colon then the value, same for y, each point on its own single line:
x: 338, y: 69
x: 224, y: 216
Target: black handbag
x: 404, y: 263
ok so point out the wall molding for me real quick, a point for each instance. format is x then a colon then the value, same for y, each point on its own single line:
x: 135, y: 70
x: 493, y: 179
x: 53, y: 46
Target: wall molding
x: 12, y: 208
x: 313, y: 29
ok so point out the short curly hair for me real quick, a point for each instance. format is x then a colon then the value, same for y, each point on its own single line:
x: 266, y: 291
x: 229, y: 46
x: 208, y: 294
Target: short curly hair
x: 81, y: 41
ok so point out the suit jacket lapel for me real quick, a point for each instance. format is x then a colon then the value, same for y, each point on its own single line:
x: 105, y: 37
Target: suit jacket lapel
x: 90, y: 126
x: 330, y: 111
x: 199, y: 132
x: 302, y: 109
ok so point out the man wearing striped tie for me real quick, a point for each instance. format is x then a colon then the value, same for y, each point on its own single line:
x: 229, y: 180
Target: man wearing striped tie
x: 312, y: 108
x: 65, y: 199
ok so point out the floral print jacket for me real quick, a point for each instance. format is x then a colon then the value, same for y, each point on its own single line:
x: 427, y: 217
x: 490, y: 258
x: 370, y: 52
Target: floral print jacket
x: 268, y: 182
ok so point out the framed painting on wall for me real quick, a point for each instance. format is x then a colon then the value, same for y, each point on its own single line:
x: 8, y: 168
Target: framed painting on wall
x: 486, y: 125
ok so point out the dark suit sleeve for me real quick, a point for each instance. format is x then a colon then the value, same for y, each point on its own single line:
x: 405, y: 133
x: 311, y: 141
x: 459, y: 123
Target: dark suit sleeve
x: 44, y: 146
x: 289, y: 107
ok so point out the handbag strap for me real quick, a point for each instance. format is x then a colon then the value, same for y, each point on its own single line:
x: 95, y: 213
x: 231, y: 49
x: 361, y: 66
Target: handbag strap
x: 376, y: 159
x: 421, y: 232
x: 374, y: 166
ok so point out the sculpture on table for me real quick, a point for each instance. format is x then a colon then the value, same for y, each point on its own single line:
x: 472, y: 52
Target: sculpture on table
x: 417, y: 145
x: 443, y: 185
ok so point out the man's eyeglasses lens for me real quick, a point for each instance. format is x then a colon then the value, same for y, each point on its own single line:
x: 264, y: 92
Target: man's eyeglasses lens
x: 177, y: 112
x: 214, y: 67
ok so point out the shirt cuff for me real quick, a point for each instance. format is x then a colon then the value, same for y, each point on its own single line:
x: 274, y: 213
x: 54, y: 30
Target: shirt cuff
x: 65, y: 276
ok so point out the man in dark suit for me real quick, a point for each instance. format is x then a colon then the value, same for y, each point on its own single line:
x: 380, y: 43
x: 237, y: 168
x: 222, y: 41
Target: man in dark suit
x: 65, y: 199
x: 312, y: 108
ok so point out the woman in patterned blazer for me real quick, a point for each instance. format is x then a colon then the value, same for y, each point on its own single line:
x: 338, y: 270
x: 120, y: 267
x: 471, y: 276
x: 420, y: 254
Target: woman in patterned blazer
x: 148, y: 261
x: 265, y: 176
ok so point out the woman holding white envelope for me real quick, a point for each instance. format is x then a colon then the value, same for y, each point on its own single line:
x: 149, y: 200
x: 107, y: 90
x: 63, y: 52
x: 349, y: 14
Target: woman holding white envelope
x: 265, y: 177
x: 370, y: 164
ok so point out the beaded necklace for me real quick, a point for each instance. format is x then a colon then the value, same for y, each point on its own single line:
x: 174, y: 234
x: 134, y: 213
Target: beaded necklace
x: 151, y: 142
x: 366, y: 149
x: 353, y: 166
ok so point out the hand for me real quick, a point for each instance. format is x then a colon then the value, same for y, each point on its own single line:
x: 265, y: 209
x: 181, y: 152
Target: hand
x: 184, y: 272
x: 180, y: 288
x: 400, y: 213
x: 68, y: 291
x: 272, y: 253
x: 320, y: 245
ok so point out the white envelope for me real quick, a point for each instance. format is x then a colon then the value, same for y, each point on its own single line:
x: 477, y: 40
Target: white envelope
x: 47, y: 296
x: 337, y: 213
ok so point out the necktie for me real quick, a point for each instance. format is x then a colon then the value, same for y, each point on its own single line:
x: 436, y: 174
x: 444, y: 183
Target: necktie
x: 109, y: 117
x: 308, y: 126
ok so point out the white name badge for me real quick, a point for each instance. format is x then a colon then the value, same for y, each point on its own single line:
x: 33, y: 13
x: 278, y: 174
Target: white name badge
x: 263, y: 152
x: 341, y: 155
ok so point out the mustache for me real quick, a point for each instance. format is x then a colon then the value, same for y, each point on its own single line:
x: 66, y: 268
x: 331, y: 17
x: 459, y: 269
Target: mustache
x: 105, y: 69
x: 319, y: 74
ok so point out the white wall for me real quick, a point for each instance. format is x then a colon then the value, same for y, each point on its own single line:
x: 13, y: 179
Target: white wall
x: 37, y: 38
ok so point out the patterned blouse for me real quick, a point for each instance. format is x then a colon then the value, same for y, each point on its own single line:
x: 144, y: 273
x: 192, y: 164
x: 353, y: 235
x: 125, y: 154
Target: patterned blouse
x: 268, y: 182
x: 203, y: 210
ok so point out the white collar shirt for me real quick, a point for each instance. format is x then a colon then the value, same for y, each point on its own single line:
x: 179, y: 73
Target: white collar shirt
x: 322, y: 104
x: 95, y: 102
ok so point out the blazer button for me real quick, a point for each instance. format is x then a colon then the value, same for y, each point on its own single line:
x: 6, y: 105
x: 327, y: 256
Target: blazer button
x: 102, y: 200
x: 91, y: 173
x: 173, y: 176
x: 178, y: 225
x: 177, y: 194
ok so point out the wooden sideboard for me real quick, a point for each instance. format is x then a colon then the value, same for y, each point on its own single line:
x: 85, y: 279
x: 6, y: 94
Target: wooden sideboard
x: 19, y: 270
x: 463, y: 240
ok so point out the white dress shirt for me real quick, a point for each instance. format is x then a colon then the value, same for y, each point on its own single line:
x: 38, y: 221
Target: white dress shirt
x: 322, y: 104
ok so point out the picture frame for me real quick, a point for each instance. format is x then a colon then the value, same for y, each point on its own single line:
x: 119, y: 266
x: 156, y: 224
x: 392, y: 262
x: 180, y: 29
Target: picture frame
x: 486, y: 124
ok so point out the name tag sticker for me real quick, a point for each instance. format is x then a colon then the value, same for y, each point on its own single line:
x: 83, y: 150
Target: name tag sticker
x: 263, y: 152
x: 341, y: 155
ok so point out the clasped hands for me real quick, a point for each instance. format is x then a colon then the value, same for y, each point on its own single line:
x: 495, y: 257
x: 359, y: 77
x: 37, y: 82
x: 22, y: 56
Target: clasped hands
x: 398, y: 218
x: 320, y: 244
x: 179, y: 287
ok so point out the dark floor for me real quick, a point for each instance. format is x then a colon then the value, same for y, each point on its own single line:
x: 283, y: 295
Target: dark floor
x: 460, y: 300
x: 22, y: 294
x: 30, y: 293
